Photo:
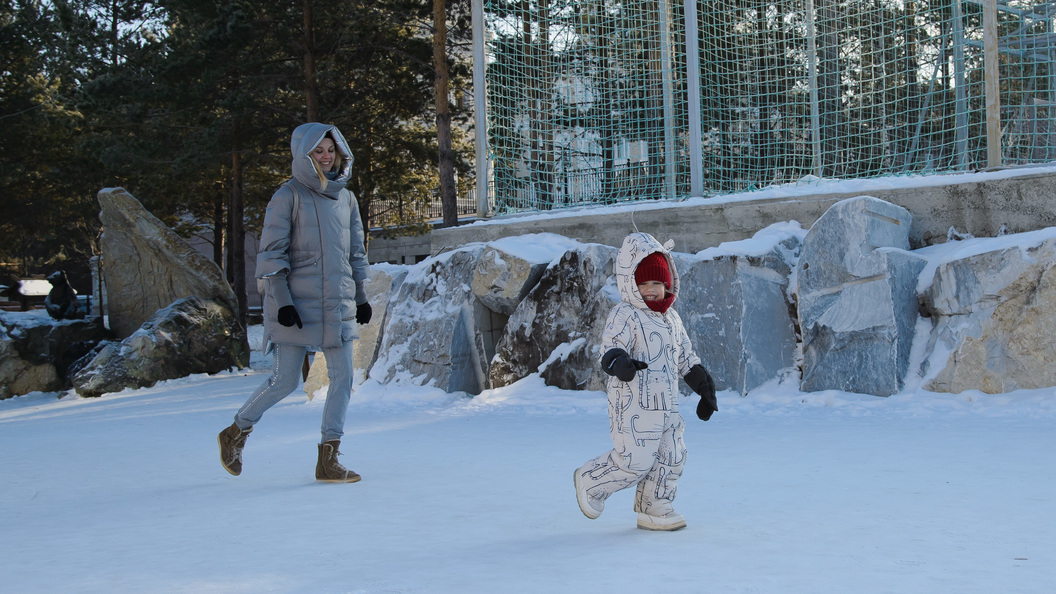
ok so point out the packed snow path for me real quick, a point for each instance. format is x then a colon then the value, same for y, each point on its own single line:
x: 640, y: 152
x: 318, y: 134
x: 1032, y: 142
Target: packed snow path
x: 783, y: 492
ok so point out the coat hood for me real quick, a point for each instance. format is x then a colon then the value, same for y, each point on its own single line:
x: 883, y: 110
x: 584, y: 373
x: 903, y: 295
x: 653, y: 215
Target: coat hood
x: 636, y: 247
x: 304, y: 140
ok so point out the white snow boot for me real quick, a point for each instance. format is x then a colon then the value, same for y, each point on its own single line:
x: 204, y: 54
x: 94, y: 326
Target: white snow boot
x: 590, y: 506
x: 667, y: 522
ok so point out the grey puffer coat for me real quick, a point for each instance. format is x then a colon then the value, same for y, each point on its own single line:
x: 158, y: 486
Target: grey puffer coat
x: 311, y: 252
x: 659, y: 339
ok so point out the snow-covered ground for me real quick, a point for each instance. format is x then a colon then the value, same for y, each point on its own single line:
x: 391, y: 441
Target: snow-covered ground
x: 783, y: 491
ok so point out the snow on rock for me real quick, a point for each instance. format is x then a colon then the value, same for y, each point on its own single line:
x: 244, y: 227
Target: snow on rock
x: 36, y: 351
x: 735, y: 306
x: 510, y: 267
x: 431, y: 336
x: 857, y: 298
x: 190, y: 336
x: 994, y: 328
x: 568, y: 304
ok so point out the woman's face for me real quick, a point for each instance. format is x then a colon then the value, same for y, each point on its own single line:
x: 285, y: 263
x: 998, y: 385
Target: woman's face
x: 325, y: 154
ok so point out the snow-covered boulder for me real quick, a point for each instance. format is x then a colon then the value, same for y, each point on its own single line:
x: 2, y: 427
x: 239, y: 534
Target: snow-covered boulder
x: 384, y: 282
x: 431, y: 334
x: 735, y: 306
x: 190, y: 336
x: 857, y: 298
x: 504, y: 273
x: 36, y: 351
x: 555, y: 330
x: 993, y: 308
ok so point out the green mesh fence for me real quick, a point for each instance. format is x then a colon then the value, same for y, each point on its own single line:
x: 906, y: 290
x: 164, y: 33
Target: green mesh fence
x: 604, y: 101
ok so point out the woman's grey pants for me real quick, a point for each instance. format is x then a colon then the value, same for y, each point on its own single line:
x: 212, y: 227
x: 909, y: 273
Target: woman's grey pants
x: 286, y: 376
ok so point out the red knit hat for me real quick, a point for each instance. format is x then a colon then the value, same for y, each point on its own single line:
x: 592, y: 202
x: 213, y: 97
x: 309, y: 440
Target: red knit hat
x: 653, y: 268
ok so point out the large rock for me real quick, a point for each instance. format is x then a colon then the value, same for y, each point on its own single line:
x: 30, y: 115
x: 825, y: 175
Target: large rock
x: 36, y: 352
x: 556, y: 329
x: 509, y: 268
x: 431, y: 335
x: 993, y: 315
x: 857, y: 298
x: 385, y: 280
x: 147, y: 266
x: 191, y: 336
x: 736, y: 309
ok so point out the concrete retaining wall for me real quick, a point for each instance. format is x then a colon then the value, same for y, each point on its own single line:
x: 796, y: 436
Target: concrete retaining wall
x: 399, y: 250
x: 980, y: 204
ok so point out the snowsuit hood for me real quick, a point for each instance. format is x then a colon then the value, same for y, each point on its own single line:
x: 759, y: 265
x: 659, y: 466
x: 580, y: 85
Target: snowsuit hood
x: 635, y: 248
x: 303, y: 141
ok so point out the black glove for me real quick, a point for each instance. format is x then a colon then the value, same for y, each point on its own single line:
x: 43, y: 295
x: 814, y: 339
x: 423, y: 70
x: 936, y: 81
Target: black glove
x: 363, y: 313
x: 288, y: 316
x: 617, y: 362
x: 700, y: 381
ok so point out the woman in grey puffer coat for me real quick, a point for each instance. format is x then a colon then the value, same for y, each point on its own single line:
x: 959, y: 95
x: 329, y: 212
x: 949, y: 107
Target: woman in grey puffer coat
x: 312, y: 269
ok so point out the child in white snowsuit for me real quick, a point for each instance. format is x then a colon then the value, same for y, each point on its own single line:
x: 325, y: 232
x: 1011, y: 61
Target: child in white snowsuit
x: 645, y: 349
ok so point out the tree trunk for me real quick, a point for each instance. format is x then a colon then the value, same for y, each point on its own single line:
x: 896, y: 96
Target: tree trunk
x: 311, y: 86
x: 236, y: 234
x: 218, y: 226
x: 362, y: 184
x: 448, y: 195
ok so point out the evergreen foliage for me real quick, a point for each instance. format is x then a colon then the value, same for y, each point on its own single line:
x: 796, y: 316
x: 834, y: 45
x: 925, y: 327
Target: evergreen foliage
x: 189, y: 105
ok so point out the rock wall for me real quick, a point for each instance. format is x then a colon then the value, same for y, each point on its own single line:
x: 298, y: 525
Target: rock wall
x: 837, y: 306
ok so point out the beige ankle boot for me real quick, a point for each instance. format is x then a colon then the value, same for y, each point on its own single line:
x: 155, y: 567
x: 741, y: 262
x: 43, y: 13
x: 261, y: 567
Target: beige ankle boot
x: 231, y: 441
x: 328, y: 469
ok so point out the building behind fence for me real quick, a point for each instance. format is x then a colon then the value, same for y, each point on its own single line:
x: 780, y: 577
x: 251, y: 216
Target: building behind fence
x: 605, y: 101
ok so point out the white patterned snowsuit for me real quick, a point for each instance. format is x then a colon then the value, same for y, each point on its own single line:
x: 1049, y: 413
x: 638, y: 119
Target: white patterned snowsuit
x: 644, y: 421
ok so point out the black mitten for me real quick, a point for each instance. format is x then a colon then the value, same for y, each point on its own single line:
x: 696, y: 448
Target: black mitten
x: 363, y: 313
x: 617, y: 362
x: 700, y: 381
x: 288, y: 316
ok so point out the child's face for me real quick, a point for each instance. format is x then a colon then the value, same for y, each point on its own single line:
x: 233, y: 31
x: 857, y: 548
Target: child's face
x: 652, y: 290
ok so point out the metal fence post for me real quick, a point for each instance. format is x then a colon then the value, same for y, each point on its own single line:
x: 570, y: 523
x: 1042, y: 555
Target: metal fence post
x: 480, y: 117
x: 992, y: 84
x: 696, y: 150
